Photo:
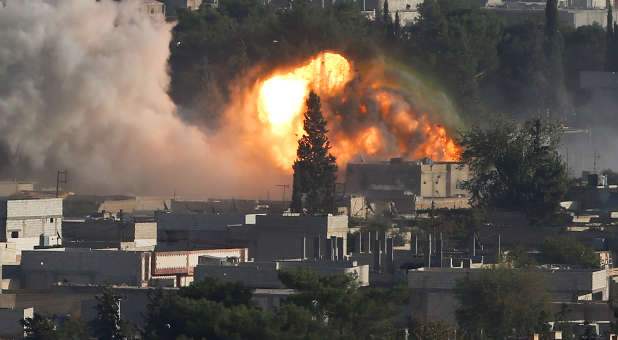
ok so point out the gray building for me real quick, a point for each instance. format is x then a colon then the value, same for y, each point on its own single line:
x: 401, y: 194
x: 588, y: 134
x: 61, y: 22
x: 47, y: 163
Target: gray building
x: 108, y: 233
x: 31, y: 222
x: 432, y: 290
x: 266, y: 274
x: 297, y: 237
x: 41, y: 269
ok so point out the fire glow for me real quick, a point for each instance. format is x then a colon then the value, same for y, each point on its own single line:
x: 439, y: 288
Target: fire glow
x: 366, y: 117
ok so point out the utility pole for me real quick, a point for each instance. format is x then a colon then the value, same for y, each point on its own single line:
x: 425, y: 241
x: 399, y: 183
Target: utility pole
x: 61, y: 178
x: 284, y: 187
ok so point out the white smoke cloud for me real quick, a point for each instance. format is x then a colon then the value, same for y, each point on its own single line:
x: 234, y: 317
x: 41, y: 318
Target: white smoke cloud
x: 83, y: 87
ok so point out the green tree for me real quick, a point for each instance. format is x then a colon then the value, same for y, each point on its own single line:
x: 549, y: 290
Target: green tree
x: 40, y: 327
x: 497, y: 303
x: 73, y: 328
x: 567, y: 250
x: 519, y: 257
x: 458, y: 40
x: 348, y: 312
x: 107, y: 323
x: 315, y: 170
x: 429, y: 330
x: 516, y: 167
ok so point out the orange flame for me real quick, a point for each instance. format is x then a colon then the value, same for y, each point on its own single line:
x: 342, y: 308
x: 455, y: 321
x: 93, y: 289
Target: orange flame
x: 401, y: 131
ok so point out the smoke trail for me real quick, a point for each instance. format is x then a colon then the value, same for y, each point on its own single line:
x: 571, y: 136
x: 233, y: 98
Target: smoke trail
x: 83, y: 87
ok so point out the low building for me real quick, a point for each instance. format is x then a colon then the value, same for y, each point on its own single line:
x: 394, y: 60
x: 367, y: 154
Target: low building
x: 60, y: 266
x: 432, y: 290
x: 134, y: 234
x: 401, y: 187
x: 266, y: 274
x: 196, y: 231
x: 31, y: 222
x: 298, y: 237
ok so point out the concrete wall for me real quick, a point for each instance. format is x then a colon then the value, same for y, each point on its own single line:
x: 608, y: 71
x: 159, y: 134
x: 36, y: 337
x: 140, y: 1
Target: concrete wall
x: 9, y: 322
x: 443, y: 179
x: 41, y: 269
x: 266, y: 274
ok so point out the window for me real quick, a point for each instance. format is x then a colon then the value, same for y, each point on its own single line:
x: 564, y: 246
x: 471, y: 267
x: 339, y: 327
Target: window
x: 51, y: 220
x: 14, y: 234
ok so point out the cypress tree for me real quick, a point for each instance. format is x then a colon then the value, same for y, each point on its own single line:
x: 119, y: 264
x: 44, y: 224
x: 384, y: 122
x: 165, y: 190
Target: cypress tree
x: 397, y: 26
x: 609, y: 39
x: 315, y: 170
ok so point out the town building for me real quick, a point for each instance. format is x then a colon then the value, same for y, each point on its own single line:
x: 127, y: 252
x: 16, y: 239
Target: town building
x: 43, y: 268
x: 266, y: 274
x: 432, y: 290
x: 153, y: 8
x: 31, y: 222
x: 131, y: 234
x: 402, y: 187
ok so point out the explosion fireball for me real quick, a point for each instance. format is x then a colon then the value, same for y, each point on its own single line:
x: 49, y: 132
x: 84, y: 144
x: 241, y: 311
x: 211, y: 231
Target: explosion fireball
x: 368, y: 115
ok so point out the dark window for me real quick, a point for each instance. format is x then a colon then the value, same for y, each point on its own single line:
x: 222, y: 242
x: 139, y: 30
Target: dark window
x: 14, y: 234
x: 51, y: 220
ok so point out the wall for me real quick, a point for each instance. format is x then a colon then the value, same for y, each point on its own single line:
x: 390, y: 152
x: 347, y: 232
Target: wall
x: 443, y: 179
x: 41, y: 269
x: 9, y: 321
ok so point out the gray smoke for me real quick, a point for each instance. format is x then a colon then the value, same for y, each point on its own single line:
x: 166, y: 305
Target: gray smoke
x: 83, y: 87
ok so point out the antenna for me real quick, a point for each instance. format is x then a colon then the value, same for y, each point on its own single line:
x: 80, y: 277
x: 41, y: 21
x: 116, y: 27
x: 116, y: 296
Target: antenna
x: 61, y: 178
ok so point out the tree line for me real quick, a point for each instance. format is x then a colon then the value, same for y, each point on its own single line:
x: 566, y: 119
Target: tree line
x: 523, y: 69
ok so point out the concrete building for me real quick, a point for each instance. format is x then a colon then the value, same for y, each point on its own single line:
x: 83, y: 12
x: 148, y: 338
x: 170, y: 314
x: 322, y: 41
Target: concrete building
x: 153, y: 8
x: 108, y: 233
x: 44, y: 268
x: 32, y: 222
x: 432, y: 294
x: 174, y: 5
x: 184, y: 231
x: 401, y: 187
x: 266, y: 274
x: 297, y: 237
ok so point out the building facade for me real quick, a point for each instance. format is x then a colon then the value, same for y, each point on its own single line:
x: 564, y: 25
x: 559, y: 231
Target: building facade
x: 32, y: 222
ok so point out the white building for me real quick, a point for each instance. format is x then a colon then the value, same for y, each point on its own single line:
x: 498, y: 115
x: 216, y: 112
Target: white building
x: 31, y: 222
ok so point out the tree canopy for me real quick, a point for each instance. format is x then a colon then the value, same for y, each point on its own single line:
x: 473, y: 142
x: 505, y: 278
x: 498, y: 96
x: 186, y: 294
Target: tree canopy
x: 315, y: 170
x: 497, y: 303
x: 516, y: 167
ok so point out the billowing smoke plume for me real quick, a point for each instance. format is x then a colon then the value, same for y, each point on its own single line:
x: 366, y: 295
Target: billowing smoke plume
x: 83, y: 87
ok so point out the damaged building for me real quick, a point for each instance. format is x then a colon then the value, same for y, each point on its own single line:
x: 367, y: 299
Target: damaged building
x: 402, y: 187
